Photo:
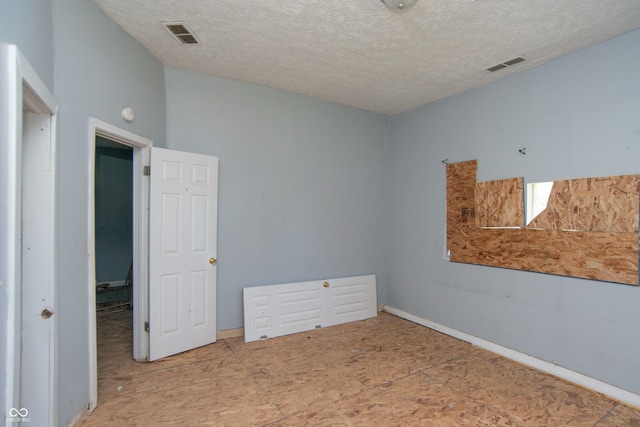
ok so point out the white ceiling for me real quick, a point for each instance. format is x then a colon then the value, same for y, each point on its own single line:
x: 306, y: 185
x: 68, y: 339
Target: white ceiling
x: 357, y: 52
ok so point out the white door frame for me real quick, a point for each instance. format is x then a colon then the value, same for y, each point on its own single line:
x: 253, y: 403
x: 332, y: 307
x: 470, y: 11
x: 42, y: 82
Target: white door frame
x: 23, y: 90
x: 141, y: 150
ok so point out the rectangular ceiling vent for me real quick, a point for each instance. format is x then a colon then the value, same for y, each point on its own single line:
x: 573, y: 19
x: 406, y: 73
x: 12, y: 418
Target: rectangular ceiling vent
x: 181, y: 32
x: 506, y: 64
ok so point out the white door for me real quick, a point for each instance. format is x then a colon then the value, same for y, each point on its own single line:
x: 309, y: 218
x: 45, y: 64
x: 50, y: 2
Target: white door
x: 38, y: 393
x: 276, y: 310
x: 182, y: 251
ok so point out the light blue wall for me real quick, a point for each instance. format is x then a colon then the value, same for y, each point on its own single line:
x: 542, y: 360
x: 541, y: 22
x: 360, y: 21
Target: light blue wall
x: 577, y: 116
x: 303, y: 183
x: 28, y: 24
x: 99, y: 69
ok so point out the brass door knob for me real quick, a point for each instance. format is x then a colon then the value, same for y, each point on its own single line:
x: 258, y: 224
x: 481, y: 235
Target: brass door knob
x: 325, y: 284
x: 212, y: 261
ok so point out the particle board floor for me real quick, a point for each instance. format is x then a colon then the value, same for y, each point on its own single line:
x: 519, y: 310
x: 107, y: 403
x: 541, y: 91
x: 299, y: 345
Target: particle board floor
x: 378, y: 372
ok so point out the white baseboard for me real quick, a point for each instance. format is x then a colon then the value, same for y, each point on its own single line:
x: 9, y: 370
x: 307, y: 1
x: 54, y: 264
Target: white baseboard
x: 613, y: 392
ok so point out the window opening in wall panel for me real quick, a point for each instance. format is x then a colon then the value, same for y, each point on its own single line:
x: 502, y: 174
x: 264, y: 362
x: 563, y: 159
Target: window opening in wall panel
x: 537, y: 198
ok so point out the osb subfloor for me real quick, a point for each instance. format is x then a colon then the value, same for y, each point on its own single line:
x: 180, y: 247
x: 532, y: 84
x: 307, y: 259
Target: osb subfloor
x: 378, y: 372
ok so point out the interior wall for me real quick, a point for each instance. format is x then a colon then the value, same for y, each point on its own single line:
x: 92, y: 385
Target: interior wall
x: 578, y: 117
x: 302, y: 184
x: 28, y: 24
x: 99, y: 70
x: 114, y: 213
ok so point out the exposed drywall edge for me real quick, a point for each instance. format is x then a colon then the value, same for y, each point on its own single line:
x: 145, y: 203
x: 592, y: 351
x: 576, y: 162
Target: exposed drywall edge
x: 579, y: 379
x: 230, y: 333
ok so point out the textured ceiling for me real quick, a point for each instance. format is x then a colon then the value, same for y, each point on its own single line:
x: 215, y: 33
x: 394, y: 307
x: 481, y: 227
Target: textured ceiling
x: 359, y: 53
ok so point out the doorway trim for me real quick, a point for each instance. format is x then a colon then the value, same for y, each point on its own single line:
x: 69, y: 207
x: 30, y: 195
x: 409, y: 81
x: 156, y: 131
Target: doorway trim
x: 25, y: 96
x: 141, y: 154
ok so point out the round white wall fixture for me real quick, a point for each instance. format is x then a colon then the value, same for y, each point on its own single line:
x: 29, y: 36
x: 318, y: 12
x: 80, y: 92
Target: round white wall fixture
x: 127, y: 114
x: 399, y: 5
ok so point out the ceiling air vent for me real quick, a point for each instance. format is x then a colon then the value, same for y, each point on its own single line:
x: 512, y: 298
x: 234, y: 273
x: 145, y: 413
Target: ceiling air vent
x: 181, y: 32
x: 506, y: 64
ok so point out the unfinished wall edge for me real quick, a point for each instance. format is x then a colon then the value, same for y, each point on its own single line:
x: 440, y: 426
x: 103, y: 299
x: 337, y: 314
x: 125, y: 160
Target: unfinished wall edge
x: 612, y: 392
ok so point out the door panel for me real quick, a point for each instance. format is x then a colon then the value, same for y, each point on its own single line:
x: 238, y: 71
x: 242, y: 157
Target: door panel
x: 182, y: 250
x: 351, y: 299
x: 276, y: 310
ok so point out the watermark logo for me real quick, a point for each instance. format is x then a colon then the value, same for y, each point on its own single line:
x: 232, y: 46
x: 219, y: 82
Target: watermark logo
x: 19, y: 415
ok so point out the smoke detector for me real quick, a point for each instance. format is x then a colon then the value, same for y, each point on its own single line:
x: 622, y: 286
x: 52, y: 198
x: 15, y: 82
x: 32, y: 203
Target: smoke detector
x: 399, y: 5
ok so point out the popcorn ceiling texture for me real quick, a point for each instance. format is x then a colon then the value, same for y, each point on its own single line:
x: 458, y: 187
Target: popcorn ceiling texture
x: 361, y: 54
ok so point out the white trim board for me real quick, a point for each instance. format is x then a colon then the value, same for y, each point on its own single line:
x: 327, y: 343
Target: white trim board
x: 577, y: 378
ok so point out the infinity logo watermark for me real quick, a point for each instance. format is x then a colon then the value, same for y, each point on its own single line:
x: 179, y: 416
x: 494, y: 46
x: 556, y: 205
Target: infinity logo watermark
x: 19, y: 415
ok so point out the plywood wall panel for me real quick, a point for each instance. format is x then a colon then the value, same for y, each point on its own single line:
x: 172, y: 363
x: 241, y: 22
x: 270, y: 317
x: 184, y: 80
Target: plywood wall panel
x: 461, y: 181
x: 599, y: 255
x: 592, y: 204
x: 500, y: 203
x: 590, y: 255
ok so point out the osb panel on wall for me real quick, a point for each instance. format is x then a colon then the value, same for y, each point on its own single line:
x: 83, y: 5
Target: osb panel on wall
x: 500, y: 203
x: 592, y: 204
x: 599, y: 255
x: 461, y: 182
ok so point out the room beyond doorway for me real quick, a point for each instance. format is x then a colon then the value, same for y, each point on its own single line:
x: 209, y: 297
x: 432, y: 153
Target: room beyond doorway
x: 113, y: 224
